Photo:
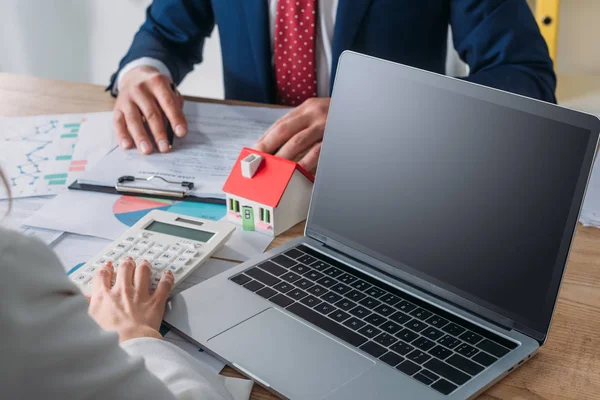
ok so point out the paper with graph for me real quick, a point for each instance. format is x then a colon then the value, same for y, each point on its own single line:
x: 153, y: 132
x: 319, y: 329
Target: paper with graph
x: 39, y: 154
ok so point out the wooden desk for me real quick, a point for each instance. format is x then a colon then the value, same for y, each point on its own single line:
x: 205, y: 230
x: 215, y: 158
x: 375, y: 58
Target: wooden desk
x: 568, y: 367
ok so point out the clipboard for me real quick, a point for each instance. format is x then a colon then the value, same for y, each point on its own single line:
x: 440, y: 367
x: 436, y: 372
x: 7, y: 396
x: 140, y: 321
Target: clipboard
x: 134, y: 186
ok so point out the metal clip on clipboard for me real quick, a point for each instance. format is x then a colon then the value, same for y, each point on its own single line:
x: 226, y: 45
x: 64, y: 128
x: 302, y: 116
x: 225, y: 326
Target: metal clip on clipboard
x: 122, y: 187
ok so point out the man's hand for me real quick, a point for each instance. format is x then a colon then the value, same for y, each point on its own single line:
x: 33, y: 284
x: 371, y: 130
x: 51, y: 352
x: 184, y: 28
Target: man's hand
x: 144, y: 95
x: 298, y: 134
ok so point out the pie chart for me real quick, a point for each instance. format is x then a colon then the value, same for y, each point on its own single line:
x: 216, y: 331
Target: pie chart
x: 130, y: 209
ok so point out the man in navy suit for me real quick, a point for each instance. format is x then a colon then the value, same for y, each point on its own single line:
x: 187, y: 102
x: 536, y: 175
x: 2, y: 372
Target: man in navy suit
x: 286, y: 52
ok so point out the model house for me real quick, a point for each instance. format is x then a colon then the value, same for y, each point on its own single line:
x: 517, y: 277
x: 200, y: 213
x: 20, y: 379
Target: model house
x: 267, y: 194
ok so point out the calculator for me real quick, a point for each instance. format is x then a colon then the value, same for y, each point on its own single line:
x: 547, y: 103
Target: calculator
x: 168, y: 241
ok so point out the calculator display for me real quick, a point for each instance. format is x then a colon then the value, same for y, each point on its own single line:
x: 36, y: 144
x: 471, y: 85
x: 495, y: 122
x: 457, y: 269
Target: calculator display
x: 174, y: 230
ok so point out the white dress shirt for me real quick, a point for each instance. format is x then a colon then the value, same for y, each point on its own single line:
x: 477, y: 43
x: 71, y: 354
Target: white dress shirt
x: 51, y: 349
x: 327, y: 10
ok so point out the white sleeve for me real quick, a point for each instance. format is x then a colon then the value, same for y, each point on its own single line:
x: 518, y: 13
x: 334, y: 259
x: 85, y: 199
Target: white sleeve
x: 144, y: 61
x: 52, y: 349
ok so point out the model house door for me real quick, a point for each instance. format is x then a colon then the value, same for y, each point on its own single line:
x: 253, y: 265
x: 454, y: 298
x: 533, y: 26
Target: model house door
x: 248, y: 218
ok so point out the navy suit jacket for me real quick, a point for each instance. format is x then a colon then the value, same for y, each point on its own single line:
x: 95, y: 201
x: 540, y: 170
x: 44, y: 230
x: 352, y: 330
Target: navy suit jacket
x: 498, y: 39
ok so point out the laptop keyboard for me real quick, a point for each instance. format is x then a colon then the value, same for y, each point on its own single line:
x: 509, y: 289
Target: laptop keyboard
x: 416, y: 338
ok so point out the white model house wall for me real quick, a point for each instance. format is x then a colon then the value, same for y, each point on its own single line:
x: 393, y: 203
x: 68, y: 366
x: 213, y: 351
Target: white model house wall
x: 293, y: 207
x: 236, y: 218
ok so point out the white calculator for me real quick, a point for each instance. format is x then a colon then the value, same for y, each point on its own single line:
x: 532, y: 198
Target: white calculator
x: 166, y: 240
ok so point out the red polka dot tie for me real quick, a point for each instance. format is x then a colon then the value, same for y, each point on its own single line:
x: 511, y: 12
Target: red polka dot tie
x: 295, y: 51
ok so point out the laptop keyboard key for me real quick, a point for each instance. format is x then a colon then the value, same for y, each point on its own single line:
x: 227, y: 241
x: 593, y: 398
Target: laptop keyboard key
x: 370, y: 302
x: 356, y: 295
x: 391, y: 358
x: 390, y: 299
x: 369, y: 331
x: 462, y: 363
x: 304, y: 283
x: 415, y: 325
x: 360, y: 312
x: 326, y: 324
x: 417, y: 356
x: 391, y: 327
x: 273, y: 268
x: 407, y: 335
x: 440, y: 352
x: 423, y: 343
x: 297, y: 294
x: 325, y: 308
x: 241, y: 279
x: 484, y: 359
x: 300, y: 269
x: 466, y: 350
x: 470, y: 337
x: 354, y: 323
x: 375, y: 292
x: 360, y: 285
x: 262, y: 276
x: 449, y: 341
x: 347, y: 278
x: 345, y: 304
x: 306, y: 259
x: 375, y: 319
x: 253, y: 286
x: 437, y: 321
x: 281, y: 300
x: 333, y: 272
x: 408, y: 367
x: 293, y: 253
x: 266, y: 292
x: 310, y: 301
x: 340, y: 288
x: 320, y: 265
x: 331, y: 297
x: 492, y: 348
x: 327, y: 281
x: 444, y: 387
x: 317, y: 290
x: 290, y: 277
x: 339, y: 315
x: 373, y: 349
x: 453, y: 329
x: 452, y: 374
x: 386, y: 340
x: 402, y: 348
x: 384, y: 310
x: 421, y: 314
x: 399, y: 317
x: 283, y: 287
x: 421, y: 377
x: 405, y: 306
x: 313, y: 275
x: 284, y: 261
x: 432, y: 333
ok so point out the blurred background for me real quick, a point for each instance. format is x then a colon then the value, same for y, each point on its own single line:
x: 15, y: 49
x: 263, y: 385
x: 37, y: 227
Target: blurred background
x: 83, y: 40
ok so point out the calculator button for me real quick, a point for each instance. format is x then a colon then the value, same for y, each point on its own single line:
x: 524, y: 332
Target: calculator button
x: 145, y: 243
x: 131, y: 239
x: 151, y: 254
x: 190, y: 253
x: 124, y: 246
x: 101, y: 261
x: 135, y: 251
x: 90, y: 269
x: 82, y: 279
x: 175, y: 249
x: 159, y: 247
x: 175, y: 268
x: 168, y: 256
x: 112, y: 255
x: 158, y: 266
x: 181, y: 261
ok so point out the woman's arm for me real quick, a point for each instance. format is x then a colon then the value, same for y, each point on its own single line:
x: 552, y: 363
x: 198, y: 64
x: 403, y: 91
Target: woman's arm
x: 52, y: 349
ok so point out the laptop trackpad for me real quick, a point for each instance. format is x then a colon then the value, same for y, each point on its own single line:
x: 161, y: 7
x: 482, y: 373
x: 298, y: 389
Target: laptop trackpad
x: 294, y: 358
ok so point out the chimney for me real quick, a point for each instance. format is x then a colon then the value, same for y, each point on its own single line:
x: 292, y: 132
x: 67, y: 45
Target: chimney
x: 250, y: 165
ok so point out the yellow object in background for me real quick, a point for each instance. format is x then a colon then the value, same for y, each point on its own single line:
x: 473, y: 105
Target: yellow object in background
x: 546, y: 15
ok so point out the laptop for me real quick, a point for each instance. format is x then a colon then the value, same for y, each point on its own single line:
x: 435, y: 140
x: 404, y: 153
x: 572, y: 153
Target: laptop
x: 438, y: 232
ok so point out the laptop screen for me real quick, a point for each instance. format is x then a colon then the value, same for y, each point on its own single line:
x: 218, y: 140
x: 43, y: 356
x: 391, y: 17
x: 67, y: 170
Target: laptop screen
x: 476, y: 198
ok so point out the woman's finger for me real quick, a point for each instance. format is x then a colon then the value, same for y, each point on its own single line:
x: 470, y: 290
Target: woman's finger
x: 141, y: 279
x: 102, y: 279
x: 125, y: 273
x: 163, y: 289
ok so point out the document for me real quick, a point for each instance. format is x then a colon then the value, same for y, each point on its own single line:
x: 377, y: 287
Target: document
x: 75, y: 250
x: 39, y: 154
x: 20, y: 210
x: 216, y: 135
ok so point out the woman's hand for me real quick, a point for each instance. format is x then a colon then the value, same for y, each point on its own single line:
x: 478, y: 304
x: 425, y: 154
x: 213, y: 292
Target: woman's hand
x: 128, y: 308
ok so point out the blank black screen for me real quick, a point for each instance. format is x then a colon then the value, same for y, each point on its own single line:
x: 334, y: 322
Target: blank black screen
x: 464, y: 193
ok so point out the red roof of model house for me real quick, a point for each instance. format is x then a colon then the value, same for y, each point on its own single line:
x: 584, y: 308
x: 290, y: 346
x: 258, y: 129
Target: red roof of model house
x: 268, y: 183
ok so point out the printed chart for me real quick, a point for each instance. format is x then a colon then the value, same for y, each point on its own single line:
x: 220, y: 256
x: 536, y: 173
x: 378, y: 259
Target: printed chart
x: 37, y: 153
x: 130, y: 209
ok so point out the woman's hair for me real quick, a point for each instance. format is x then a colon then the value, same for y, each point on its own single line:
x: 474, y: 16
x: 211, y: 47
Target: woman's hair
x: 5, y: 182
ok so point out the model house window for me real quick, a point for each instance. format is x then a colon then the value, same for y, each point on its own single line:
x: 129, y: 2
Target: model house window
x: 265, y: 216
x: 234, y: 205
